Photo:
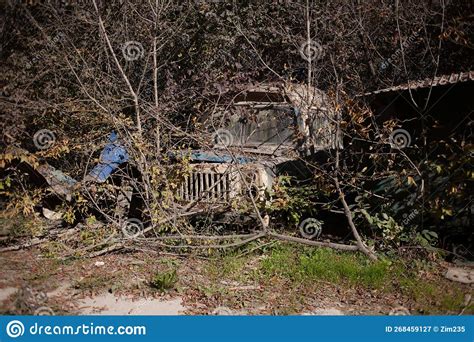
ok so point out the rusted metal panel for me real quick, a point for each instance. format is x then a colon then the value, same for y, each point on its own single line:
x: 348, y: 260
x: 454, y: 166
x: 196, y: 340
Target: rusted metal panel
x: 427, y: 83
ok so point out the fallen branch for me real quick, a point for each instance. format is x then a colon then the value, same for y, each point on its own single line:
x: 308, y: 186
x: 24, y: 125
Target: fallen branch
x: 313, y: 243
x: 88, y: 248
x: 29, y: 244
x: 229, y: 245
x: 139, y: 243
x: 114, y: 247
x: 198, y: 237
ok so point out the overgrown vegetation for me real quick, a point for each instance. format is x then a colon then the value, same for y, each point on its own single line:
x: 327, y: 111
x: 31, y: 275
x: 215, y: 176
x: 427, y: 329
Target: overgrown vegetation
x: 159, y: 80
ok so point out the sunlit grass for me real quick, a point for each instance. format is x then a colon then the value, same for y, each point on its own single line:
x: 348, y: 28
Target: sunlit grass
x: 312, y: 264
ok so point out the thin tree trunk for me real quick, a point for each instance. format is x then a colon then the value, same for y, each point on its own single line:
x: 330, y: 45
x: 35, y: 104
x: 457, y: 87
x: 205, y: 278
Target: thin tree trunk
x: 360, y: 244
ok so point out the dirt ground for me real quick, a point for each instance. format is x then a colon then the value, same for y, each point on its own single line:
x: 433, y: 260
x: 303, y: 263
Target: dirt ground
x: 120, y: 284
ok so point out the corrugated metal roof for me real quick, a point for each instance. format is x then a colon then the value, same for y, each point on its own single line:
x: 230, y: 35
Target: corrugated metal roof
x: 428, y: 82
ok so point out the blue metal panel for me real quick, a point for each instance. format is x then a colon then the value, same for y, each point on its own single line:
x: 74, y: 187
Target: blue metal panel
x: 111, y: 157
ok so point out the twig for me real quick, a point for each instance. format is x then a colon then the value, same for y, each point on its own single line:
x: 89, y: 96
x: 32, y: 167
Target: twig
x: 119, y: 66
x: 313, y: 243
x: 256, y: 248
x: 198, y: 237
x: 29, y: 244
x: 109, y: 249
x: 229, y: 245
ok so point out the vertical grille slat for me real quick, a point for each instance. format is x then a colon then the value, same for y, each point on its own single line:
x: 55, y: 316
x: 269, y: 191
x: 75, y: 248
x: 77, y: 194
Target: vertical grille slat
x: 205, y: 185
x: 194, y: 188
x: 209, y: 184
x: 202, y: 187
x: 227, y: 187
x: 218, y: 188
x: 184, y: 194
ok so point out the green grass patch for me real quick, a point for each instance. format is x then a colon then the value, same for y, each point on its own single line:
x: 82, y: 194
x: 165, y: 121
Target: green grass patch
x: 95, y: 282
x: 310, y: 264
x: 307, y: 266
x: 163, y: 281
x: 432, y: 297
x: 227, y: 266
x: 20, y: 226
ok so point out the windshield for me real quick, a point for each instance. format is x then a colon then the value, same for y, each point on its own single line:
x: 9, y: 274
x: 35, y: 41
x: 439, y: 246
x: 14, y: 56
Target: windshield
x: 256, y: 127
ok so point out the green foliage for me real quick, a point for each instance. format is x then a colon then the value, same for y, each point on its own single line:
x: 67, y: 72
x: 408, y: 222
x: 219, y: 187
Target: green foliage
x: 19, y: 226
x: 419, y: 208
x: 91, y: 220
x: 163, y: 281
x: 52, y: 249
x: 427, y: 238
x: 227, y: 265
x: 291, y: 202
x: 93, y: 234
x: 5, y: 183
x: 433, y: 298
x: 391, y: 231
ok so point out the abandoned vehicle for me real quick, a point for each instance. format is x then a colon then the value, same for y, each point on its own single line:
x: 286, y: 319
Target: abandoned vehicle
x: 257, y: 135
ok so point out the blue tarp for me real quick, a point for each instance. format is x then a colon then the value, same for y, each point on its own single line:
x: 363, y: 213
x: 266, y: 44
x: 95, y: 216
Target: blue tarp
x: 111, y: 157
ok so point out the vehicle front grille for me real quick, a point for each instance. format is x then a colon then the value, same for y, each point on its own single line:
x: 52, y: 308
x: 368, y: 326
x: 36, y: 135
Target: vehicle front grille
x: 206, y: 186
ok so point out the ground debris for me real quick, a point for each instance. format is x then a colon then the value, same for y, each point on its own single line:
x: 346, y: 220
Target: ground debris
x: 324, y: 312
x: 462, y: 275
x: 52, y: 215
x: 399, y: 311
